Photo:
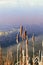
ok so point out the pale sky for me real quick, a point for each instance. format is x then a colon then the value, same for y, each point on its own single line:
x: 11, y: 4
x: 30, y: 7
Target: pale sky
x: 21, y: 11
x: 21, y: 3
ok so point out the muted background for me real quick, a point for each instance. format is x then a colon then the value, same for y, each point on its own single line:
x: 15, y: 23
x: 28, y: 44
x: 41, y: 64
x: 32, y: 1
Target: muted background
x: 21, y: 12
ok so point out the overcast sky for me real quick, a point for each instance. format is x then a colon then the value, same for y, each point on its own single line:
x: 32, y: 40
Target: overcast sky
x: 21, y: 12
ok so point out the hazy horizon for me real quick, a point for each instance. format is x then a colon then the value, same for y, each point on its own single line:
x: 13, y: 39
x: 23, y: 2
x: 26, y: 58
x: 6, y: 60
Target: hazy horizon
x: 16, y: 12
